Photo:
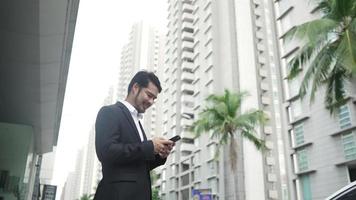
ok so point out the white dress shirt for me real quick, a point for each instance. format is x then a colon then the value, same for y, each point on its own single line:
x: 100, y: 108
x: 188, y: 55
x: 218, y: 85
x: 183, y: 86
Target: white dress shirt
x: 136, y: 117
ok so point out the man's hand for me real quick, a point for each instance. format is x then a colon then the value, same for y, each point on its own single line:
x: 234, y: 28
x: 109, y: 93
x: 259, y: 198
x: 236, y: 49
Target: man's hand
x: 162, y: 146
x: 167, y: 151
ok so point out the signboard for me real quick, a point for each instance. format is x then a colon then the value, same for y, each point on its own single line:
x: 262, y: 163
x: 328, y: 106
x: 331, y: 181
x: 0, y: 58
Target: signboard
x: 49, y: 192
x: 202, y: 194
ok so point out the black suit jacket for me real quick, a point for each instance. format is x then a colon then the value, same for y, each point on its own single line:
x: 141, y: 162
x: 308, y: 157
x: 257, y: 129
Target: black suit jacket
x: 126, y: 161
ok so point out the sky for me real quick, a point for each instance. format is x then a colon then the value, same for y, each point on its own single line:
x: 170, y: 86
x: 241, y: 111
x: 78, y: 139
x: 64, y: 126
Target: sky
x: 101, y: 31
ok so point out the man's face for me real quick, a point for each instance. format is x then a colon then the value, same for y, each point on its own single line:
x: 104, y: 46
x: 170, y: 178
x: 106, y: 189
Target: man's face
x: 144, y: 97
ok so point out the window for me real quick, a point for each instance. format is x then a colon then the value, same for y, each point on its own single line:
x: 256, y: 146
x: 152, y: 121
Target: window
x: 213, y: 167
x: 299, y: 134
x: 197, y: 173
x: 294, y: 85
x: 348, y: 143
x: 296, y: 109
x: 344, y: 117
x: 185, y: 180
x: 305, y: 187
x: 302, y: 157
x: 212, y: 150
x: 214, y: 185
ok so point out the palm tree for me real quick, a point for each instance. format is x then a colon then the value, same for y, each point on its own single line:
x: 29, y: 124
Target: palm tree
x: 223, y: 117
x: 329, y: 51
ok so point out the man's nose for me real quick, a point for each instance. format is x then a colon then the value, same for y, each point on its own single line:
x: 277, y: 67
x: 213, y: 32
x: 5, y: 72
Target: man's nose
x: 151, y: 101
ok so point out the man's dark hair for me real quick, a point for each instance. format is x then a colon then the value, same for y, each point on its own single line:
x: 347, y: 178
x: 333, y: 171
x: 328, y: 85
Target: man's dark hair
x: 142, y: 78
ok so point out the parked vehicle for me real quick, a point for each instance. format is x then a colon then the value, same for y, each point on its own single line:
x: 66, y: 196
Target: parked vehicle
x: 346, y: 193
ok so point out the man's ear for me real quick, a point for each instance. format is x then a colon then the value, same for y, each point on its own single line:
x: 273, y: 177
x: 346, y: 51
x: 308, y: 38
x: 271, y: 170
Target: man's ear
x: 135, y: 88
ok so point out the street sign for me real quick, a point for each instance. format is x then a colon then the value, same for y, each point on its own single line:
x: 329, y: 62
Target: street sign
x: 202, y: 194
x: 49, y: 192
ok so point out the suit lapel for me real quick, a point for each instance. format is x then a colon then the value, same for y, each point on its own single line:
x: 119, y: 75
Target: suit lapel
x: 143, y: 131
x: 130, y: 119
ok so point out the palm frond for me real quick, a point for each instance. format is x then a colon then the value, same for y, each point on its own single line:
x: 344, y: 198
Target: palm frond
x: 222, y: 118
x: 341, y: 8
x: 318, y: 71
x: 335, y: 92
x: 259, y: 143
x: 348, y: 50
x: 301, y: 58
x: 312, y: 31
x: 250, y: 119
x: 328, y: 53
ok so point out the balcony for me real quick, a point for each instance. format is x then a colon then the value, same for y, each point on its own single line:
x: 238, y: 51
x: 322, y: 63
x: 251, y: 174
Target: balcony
x: 265, y: 100
x: 187, y: 66
x: 267, y: 130
x: 270, y: 161
x: 188, y: 27
x: 187, y: 55
x: 261, y: 47
x: 264, y: 87
x: 187, y: 135
x: 259, y: 23
x: 186, y: 111
x: 187, y: 17
x: 187, y: 88
x: 186, y: 122
x: 271, y: 177
x: 261, y: 59
x: 187, y: 8
x: 186, y: 36
x: 258, y: 11
x: 259, y: 35
x: 187, y: 99
x: 263, y: 73
x: 187, y: 46
x: 187, y: 147
x: 187, y: 77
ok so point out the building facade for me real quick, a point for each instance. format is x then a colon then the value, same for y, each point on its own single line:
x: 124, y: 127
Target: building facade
x: 35, y: 48
x: 144, y: 51
x: 321, y: 148
x: 212, y: 46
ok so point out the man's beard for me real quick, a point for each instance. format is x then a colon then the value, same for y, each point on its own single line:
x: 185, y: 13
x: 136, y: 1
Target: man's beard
x: 136, y: 102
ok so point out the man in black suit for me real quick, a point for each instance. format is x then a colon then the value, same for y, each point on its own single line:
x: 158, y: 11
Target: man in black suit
x: 122, y: 147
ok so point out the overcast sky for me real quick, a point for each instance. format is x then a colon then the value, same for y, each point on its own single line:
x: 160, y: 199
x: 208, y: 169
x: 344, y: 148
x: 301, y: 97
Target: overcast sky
x: 101, y: 31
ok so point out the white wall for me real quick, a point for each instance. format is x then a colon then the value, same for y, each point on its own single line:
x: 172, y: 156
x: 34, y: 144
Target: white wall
x: 253, y: 165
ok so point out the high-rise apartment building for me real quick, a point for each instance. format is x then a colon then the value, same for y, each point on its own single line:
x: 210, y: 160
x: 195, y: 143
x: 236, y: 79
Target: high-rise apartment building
x: 72, y: 186
x: 91, y: 173
x: 144, y: 51
x: 130, y: 61
x: 153, y: 118
x: 213, y: 45
x: 321, y: 149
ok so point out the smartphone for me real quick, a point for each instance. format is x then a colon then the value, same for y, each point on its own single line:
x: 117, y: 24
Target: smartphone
x: 175, y: 138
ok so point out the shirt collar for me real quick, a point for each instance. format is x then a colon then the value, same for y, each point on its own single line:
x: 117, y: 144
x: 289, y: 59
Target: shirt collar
x: 132, y: 109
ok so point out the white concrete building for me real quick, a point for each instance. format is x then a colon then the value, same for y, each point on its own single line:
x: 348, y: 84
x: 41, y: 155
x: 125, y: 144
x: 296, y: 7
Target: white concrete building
x: 213, y: 45
x: 321, y: 148
x: 144, y: 51
x: 35, y: 47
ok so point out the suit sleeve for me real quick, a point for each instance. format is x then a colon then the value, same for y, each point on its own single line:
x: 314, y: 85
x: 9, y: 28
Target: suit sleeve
x: 157, y: 162
x: 109, y: 147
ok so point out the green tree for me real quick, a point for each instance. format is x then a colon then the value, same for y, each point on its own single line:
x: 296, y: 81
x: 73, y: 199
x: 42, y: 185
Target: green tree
x: 155, y: 191
x: 155, y: 194
x: 328, y: 53
x: 223, y: 117
x: 86, y: 197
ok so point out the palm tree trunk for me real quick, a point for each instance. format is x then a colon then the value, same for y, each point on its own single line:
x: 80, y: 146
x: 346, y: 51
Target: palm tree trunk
x: 233, y: 163
x: 239, y: 181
